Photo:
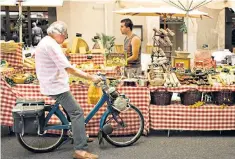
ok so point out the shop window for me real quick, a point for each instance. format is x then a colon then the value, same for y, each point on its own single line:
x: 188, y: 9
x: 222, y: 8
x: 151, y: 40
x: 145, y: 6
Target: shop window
x: 233, y: 37
x: 38, y: 15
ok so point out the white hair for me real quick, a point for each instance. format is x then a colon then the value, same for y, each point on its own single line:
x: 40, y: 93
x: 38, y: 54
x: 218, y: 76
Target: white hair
x: 57, y: 27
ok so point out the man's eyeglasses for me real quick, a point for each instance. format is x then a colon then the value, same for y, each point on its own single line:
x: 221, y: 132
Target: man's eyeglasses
x: 65, y: 35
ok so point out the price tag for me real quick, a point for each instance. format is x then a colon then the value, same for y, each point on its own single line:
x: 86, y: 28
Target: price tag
x: 199, y: 64
x: 179, y: 65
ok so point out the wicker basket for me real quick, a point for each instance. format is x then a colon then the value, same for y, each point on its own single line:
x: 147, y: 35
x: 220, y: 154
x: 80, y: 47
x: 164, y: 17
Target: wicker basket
x: 224, y: 97
x: 161, y: 97
x: 190, y: 97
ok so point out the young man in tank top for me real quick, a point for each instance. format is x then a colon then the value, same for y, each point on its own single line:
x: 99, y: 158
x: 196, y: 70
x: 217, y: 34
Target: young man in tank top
x: 132, y: 46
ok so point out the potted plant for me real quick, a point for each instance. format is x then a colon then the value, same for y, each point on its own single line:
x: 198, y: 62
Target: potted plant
x: 104, y: 42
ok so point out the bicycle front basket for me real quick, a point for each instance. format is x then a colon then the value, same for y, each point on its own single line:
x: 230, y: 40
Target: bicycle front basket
x: 120, y: 103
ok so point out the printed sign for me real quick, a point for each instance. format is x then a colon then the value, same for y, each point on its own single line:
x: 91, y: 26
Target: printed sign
x: 199, y: 64
x: 179, y: 65
x: 116, y: 59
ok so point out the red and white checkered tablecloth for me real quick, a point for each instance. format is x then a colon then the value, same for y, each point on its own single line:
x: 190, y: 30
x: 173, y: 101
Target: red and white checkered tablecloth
x: 180, y: 117
x: 110, y: 73
x: 185, y: 88
x: 7, y: 101
x: 83, y: 58
x: 92, y: 71
x: 138, y: 96
x: 29, y: 70
x: 15, y: 59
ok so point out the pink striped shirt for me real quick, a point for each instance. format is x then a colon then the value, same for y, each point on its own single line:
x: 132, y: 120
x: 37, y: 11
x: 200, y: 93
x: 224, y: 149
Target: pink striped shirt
x: 50, y: 67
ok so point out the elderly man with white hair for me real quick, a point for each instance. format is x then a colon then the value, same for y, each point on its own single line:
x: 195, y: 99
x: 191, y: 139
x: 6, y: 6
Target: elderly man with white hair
x: 52, y: 68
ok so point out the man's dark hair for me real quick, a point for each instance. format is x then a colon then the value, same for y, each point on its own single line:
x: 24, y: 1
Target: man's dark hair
x: 128, y: 23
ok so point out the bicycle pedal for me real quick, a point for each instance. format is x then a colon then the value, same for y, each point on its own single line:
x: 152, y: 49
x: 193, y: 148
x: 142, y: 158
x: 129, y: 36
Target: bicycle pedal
x: 100, y: 138
x: 66, y: 140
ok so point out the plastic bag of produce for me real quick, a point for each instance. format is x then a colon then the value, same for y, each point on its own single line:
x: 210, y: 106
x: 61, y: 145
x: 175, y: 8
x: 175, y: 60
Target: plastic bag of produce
x: 94, y: 94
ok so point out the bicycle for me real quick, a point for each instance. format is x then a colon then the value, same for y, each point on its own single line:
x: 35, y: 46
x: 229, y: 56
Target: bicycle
x: 113, y: 115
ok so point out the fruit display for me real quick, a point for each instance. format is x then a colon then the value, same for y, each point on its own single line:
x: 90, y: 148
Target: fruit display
x: 116, y: 59
x: 4, y: 67
x: 92, y: 66
x: 29, y: 63
x: 20, y: 78
x: 78, y: 80
x: 8, y: 47
x: 88, y: 66
x: 224, y: 68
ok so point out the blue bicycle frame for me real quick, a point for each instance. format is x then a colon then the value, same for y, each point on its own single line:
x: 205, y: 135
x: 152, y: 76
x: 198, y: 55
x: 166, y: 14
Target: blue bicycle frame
x: 65, y: 124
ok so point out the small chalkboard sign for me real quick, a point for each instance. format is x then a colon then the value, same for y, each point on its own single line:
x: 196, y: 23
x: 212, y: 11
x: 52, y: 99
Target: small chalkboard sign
x: 28, y: 55
x: 89, y: 57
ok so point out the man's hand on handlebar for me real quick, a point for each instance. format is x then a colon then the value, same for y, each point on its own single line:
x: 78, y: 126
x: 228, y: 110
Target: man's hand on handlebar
x: 96, y: 79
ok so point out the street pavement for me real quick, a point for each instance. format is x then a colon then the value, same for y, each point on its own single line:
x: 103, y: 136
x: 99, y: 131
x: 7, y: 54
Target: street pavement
x: 157, y: 145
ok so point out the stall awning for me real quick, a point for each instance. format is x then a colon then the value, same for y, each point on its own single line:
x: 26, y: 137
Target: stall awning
x: 33, y: 3
x: 7, y: 2
x: 42, y: 3
x: 221, y: 4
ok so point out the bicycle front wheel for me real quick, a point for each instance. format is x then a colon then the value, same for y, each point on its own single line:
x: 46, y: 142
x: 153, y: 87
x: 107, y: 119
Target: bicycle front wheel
x: 124, y: 128
x: 48, y: 141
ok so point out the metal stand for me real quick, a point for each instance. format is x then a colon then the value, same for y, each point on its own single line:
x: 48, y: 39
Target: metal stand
x: 168, y: 134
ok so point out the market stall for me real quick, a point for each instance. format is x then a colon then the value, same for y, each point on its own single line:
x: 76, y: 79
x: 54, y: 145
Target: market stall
x: 138, y: 96
x: 84, y: 58
x: 205, y: 117
x: 22, y: 83
x: 206, y: 93
x: 180, y: 117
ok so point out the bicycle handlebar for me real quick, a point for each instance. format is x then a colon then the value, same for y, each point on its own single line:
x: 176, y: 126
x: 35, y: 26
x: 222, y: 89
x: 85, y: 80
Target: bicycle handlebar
x: 102, y: 76
x: 103, y: 79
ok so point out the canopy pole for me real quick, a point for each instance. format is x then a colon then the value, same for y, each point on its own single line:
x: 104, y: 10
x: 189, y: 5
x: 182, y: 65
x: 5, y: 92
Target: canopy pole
x: 20, y: 16
x: 187, y: 37
x: 164, y: 22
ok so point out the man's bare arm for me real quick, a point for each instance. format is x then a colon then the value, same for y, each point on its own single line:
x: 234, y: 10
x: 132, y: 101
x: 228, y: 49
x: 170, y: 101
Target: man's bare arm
x: 135, y: 49
x: 79, y: 73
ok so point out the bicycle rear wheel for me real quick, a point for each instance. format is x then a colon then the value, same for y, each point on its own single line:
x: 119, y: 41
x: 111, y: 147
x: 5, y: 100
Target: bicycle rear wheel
x: 49, y: 141
x: 124, y: 128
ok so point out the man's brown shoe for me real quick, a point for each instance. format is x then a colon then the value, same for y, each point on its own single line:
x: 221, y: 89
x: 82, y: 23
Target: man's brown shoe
x: 85, y: 155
